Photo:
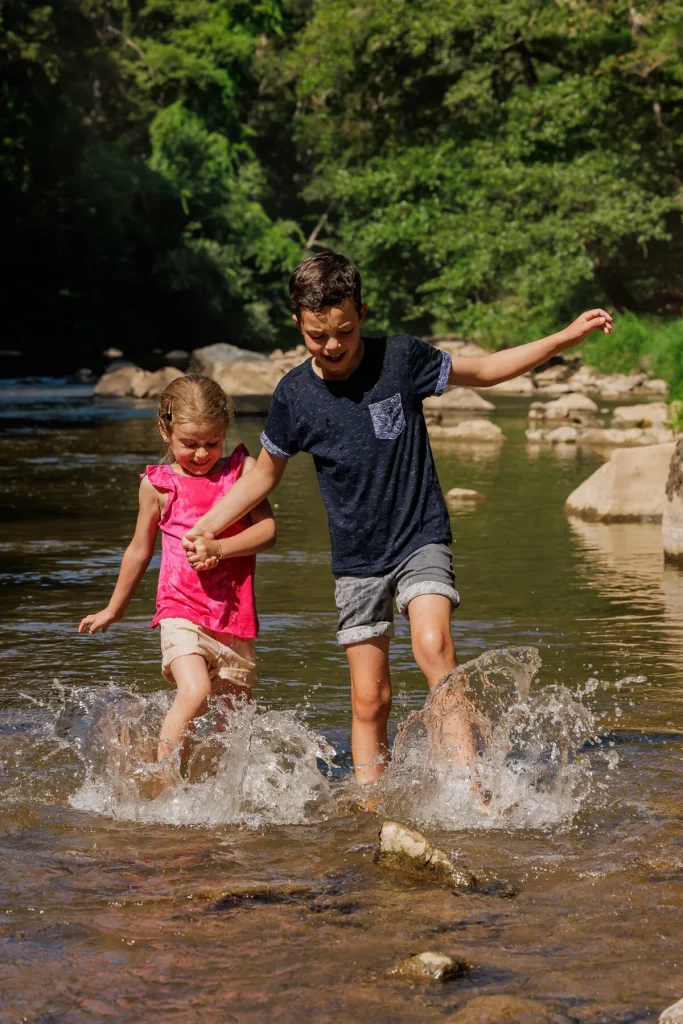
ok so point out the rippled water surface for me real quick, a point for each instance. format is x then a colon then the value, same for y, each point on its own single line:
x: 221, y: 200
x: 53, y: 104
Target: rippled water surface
x: 249, y: 891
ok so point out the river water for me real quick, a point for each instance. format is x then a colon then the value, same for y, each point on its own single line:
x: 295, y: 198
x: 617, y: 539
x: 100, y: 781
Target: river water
x: 250, y: 891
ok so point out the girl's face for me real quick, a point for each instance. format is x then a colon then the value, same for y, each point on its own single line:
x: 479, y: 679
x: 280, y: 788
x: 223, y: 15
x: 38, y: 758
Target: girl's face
x: 196, y: 447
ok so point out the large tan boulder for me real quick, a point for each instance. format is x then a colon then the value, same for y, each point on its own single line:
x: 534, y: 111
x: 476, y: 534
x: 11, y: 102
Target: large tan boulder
x: 644, y: 415
x: 630, y: 486
x: 238, y: 371
x: 158, y: 382
x: 456, y: 400
x: 121, y: 383
x: 672, y: 520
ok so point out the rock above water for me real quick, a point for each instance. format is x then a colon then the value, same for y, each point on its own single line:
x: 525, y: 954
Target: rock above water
x: 562, y: 435
x: 482, y: 431
x: 644, y: 415
x: 431, y: 967
x: 565, y: 407
x: 132, y: 382
x: 673, y: 1014
x: 630, y: 486
x: 463, y: 496
x: 507, y: 1010
x: 523, y: 385
x: 457, y: 400
x: 672, y: 519
x: 238, y: 371
x: 402, y: 849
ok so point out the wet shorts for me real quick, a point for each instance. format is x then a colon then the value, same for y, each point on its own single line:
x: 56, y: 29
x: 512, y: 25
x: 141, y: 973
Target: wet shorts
x: 366, y: 603
x: 230, y: 659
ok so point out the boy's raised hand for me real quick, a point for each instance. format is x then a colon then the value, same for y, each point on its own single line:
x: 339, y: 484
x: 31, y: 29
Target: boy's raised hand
x: 101, y: 620
x: 593, y: 320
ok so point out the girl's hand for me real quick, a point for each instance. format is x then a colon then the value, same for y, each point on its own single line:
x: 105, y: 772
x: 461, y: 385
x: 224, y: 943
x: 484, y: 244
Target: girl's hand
x: 593, y: 320
x: 102, y: 620
x: 206, y: 553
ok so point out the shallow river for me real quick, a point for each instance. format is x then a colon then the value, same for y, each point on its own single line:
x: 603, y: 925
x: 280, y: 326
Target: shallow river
x: 251, y: 892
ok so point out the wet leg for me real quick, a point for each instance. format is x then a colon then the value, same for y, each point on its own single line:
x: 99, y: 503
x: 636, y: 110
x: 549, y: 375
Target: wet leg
x: 370, y: 705
x: 430, y: 628
x: 191, y: 676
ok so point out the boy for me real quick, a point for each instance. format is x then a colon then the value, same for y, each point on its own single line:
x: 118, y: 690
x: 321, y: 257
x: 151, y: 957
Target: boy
x: 356, y: 406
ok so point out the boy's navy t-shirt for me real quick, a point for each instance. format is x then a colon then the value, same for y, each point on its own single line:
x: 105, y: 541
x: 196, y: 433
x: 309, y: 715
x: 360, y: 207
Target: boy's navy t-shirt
x: 368, y: 439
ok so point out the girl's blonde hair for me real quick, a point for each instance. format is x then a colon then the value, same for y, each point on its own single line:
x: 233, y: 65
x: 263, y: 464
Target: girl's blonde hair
x: 194, y: 398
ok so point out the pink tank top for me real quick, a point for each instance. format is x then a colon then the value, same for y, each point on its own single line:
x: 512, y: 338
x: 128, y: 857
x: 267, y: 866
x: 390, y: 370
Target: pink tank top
x: 221, y: 599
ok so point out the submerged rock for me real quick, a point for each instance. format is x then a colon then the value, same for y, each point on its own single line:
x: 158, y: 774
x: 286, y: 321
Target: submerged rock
x: 507, y: 1010
x: 629, y: 486
x: 431, y: 967
x: 463, y: 496
x: 672, y: 519
x: 404, y: 850
x: 673, y: 1014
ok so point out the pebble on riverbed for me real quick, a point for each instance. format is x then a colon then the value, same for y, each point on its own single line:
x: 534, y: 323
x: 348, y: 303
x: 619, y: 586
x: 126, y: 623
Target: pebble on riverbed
x: 507, y: 1010
x: 463, y: 496
x: 409, y: 852
x: 431, y: 967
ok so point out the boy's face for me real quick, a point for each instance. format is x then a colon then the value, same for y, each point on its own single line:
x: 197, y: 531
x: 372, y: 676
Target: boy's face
x: 332, y: 336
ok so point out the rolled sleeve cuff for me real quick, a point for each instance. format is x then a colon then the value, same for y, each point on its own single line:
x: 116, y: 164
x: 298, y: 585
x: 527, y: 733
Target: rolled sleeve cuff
x: 273, y: 448
x: 443, y: 374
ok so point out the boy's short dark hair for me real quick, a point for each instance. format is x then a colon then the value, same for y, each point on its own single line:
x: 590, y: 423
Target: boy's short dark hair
x: 325, y: 279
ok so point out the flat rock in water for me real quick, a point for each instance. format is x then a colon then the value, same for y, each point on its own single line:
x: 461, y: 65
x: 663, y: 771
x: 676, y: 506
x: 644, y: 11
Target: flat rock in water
x: 479, y: 431
x: 647, y: 414
x: 673, y: 1014
x: 562, y: 435
x: 410, y: 852
x: 507, y: 1010
x: 431, y: 967
x: 523, y: 385
x: 463, y: 496
x: 629, y: 486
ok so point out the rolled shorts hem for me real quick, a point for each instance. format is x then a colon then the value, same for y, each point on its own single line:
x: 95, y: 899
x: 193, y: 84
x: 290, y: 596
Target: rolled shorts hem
x: 358, y: 634
x: 170, y: 656
x: 403, y: 598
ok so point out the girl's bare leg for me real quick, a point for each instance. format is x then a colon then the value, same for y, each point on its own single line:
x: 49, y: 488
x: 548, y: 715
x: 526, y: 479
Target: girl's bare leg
x: 370, y: 705
x: 193, y: 687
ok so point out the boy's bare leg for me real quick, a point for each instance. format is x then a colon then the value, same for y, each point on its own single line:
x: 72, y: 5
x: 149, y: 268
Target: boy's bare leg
x: 370, y: 705
x: 430, y: 628
x: 194, y: 686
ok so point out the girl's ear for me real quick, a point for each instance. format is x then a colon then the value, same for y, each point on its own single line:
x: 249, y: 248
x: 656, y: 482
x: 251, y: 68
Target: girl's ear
x: 164, y: 431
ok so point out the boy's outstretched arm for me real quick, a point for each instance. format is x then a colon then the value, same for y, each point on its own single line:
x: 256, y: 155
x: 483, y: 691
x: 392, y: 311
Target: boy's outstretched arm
x: 483, y: 371
x: 249, y: 491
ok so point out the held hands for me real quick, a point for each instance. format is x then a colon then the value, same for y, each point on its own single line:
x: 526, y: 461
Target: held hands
x: 101, y: 620
x: 593, y: 320
x: 203, y: 552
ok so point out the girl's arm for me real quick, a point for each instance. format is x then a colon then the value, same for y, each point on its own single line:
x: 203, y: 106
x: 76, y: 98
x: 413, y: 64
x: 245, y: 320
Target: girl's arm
x: 484, y: 371
x: 134, y: 563
x: 260, y: 536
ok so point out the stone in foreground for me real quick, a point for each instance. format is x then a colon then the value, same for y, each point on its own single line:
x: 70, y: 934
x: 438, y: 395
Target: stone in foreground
x: 507, y: 1010
x: 463, y: 496
x: 431, y: 967
x: 673, y: 1014
x: 410, y: 852
x: 672, y: 519
x: 630, y: 486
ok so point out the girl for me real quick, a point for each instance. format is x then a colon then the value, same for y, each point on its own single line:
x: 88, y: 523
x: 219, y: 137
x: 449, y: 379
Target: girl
x: 208, y: 620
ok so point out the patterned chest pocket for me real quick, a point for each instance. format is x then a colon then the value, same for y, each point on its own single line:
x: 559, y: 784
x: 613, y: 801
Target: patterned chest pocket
x: 387, y: 418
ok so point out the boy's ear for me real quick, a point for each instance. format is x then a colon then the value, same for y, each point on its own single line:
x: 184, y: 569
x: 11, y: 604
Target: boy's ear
x: 295, y: 318
x: 363, y: 312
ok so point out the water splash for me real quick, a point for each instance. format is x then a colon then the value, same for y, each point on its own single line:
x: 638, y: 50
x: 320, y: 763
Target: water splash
x: 529, y: 771
x: 247, y: 766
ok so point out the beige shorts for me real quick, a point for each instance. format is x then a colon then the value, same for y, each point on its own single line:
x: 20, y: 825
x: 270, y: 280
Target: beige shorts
x: 230, y: 659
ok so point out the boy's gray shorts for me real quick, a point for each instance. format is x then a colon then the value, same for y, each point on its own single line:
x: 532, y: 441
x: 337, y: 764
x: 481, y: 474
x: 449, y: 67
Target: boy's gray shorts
x: 366, y: 603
